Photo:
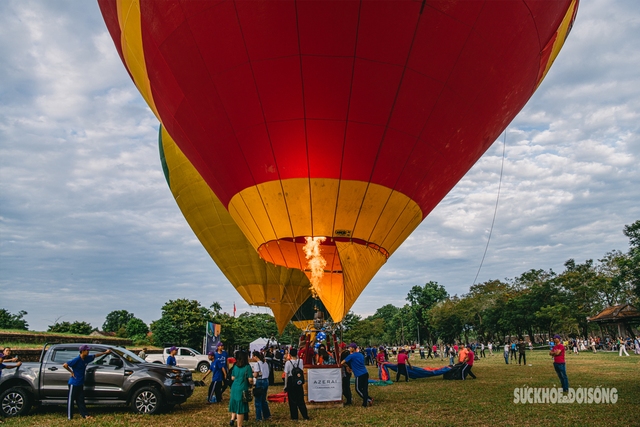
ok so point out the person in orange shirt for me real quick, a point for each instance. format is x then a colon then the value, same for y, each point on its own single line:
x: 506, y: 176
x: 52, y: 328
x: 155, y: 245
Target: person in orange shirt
x: 462, y: 354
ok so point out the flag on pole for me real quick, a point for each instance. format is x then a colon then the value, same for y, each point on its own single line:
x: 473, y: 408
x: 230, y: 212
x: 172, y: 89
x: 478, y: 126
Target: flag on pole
x: 234, y: 309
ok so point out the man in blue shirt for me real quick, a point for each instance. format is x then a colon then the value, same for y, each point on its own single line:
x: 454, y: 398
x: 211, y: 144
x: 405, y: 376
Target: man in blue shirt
x: 222, y: 355
x: 355, y: 361
x: 76, y: 368
x: 218, y: 369
x: 367, y: 358
x: 171, y: 359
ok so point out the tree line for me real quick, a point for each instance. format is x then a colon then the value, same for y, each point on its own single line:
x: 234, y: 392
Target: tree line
x: 536, y: 303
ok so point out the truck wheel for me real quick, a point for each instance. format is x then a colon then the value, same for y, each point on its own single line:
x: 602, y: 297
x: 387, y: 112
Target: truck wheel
x: 15, y: 401
x: 203, y: 368
x: 147, y: 400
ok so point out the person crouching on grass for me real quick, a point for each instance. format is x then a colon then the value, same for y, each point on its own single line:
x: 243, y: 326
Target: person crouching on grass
x: 77, y: 368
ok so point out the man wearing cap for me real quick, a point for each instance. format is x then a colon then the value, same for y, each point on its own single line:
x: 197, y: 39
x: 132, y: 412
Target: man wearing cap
x: 558, y: 362
x: 355, y: 360
x: 171, y: 360
x: 223, y: 357
x: 218, y: 371
x: 76, y: 368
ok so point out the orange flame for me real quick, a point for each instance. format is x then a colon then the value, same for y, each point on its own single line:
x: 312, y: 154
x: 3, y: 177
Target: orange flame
x: 315, y: 262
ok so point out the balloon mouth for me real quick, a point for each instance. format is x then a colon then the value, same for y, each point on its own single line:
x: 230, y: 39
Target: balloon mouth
x: 289, y: 252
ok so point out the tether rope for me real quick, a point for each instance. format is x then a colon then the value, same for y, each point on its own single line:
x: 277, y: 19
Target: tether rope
x: 504, y: 147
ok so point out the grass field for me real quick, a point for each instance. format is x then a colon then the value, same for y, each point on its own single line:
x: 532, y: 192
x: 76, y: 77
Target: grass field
x: 486, y: 401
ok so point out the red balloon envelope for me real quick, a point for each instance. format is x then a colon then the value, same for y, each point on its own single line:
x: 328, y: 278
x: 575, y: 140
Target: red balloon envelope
x: 337, y: 119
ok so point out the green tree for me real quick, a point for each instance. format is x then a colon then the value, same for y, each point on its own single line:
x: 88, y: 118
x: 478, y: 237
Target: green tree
x: 228, y: 329
x: 290, y: 335
x: 116, y: 319
x: 422, y: 299
x: 81, y: 328
x: 388, y: 315
x: 136, y: 329
x: 445, y: 319
x: 477, y: 307
x: 368, y: 331
x: 251, y: 326
x: 350, y: 319
x: 164, y: 332
x: 611, y: 283
x: 77, y: 327
x: 580, y: 283
x: 183, y: 323
x: 13, y: 321
x: 631, y: 266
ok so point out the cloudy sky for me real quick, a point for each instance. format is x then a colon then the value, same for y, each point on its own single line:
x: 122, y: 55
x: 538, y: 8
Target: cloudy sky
x: 88, y: 224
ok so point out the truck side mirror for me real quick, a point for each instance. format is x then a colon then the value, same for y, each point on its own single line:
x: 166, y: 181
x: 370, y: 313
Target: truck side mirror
x: 116, y: 362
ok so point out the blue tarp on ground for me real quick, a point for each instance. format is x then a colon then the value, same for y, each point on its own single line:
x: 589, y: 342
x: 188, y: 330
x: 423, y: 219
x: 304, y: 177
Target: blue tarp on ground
x: 417, y: 372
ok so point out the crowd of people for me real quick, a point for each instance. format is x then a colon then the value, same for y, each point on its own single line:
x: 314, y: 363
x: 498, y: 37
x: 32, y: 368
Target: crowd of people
x: 595, y: 344
x: 256, y: 371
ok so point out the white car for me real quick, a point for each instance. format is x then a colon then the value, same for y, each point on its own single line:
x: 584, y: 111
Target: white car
x: 185, y: 358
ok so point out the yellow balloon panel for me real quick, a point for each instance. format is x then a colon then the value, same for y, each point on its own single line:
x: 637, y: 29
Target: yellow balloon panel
x: 284, y: 209
x: 258, y: 282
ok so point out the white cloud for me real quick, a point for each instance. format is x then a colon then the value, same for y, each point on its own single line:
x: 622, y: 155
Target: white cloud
x: 88, y: 224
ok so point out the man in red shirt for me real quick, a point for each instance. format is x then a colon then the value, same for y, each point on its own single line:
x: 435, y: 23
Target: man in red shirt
x: 403, y: 361
x: 468, y: 363
x: 558, y: 362
x: 380, y: 359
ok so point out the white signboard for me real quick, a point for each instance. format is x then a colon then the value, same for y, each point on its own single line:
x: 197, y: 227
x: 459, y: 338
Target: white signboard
x: 324, y: 385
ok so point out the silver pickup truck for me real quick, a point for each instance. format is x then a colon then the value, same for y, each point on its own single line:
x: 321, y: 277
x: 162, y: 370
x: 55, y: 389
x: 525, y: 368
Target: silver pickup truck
x: 117, y: 378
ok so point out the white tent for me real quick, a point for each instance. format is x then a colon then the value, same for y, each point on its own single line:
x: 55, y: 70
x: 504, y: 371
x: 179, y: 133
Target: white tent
x: 260, y: 343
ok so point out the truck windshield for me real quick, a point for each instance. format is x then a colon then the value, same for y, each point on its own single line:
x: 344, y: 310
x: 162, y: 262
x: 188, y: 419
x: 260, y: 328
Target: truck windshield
x: 127, y: 355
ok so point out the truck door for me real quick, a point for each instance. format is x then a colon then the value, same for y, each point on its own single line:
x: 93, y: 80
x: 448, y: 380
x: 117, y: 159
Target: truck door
x: 54, y: 378
x: 105, y: 378
x: 186, y: 359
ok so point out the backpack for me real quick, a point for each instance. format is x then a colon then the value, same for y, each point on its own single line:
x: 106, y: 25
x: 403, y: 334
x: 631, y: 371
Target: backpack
x: 297, y: 375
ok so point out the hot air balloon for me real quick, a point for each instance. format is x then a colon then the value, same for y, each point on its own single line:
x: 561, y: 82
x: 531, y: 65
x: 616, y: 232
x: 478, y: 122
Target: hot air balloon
x: 332, y: 123
x: 259, y: 283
